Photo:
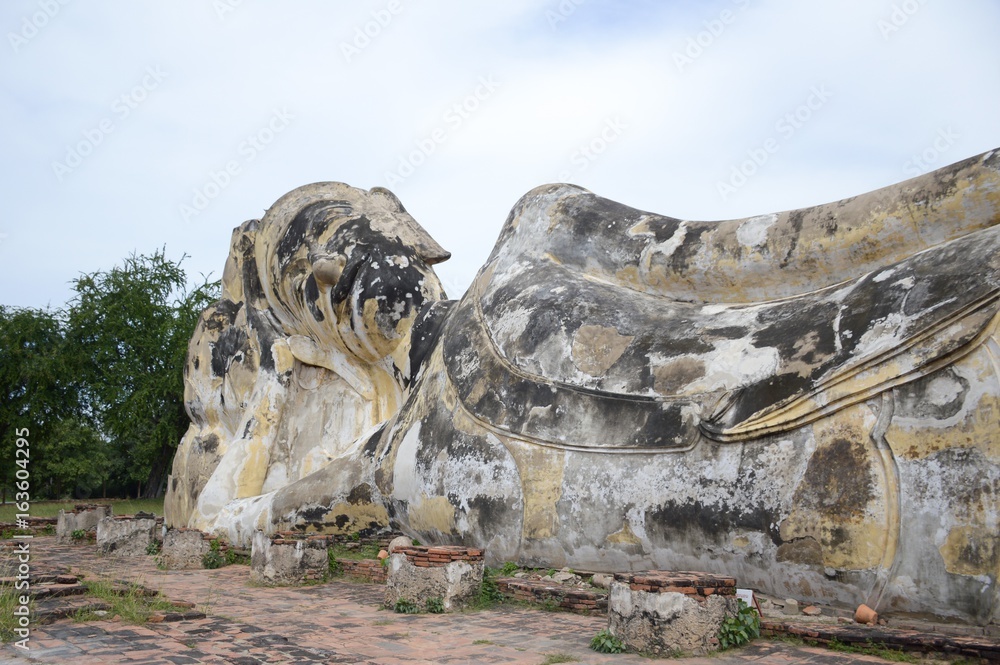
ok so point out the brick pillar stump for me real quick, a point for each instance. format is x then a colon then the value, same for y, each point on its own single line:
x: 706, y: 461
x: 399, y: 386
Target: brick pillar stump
x: 83, y: 517
x: 126, y: 535
x: 670, y: 613
x: 452, y: 573
x: 287, y: 558
x: 184, y: 549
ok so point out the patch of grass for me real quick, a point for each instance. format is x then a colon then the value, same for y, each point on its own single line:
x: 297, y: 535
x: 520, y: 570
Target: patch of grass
x: 489, y: 593
x: 9, y: 602
x: 154, y: 547
x: 8, y: 512
x: 553, y: 658
x: 130, y: 603
x: 10, y: 533
x: 876, y: 649
x: 484, y: 642
x: 339, y: 551
x: 434, y: 605
x: 383, y: 622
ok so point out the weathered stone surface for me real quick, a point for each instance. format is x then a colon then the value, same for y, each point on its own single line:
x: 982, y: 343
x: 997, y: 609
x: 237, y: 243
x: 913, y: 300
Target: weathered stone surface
x: 456, y: 583
x: 183, y: 548
x: 85, y: 519
x: 287, y: 561
x: 809, y: 398
x: 669, y: 623
x: 128, y: 536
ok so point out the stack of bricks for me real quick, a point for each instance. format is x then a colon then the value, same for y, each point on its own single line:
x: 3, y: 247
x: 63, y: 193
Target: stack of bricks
x: 694, y: 585
x: 581, y: 601
x: 433, y: 557
x: 368, y: 569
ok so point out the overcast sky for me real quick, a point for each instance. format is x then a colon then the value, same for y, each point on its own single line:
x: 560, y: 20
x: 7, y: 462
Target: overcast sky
x: 130, y: 125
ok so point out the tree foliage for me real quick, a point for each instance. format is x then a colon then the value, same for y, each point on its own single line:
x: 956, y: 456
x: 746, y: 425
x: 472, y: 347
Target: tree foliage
x: 100, y: 383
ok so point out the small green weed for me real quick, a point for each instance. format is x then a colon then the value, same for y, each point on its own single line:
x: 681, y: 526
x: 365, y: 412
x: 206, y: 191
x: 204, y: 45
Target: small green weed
x: 213, y: 559
x: 78, y: 535
x: 236, y: 558
x: 153, y: 548
x: 404, y: 606
x: 605, y: 642
x: 489, y: 591
x: 740, y: 629
x: 553, y: 658
x: 333, y: 567
x: 435, y: 605
x: 509, y: 568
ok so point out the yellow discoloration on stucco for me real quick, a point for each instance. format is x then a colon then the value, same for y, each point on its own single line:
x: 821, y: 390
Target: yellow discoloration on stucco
x: 977, y: 429
x: 971, y: 550
x: 597, y: 348
x: 541, y: 471
x: 284, y: 359
x: 252, y: 472
x: 742, y: 542
x: 360, y: 516
x: 840, y: 501
x: 432, y: 513
x: 624, y: 536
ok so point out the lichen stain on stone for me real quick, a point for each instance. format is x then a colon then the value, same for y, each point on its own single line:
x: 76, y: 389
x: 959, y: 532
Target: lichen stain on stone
x: 624, y: 536
x: 806, y: 551
x: 597, y: 348
x: 840, y: 502
x: 971, y: 550
x: 432, y: 513
x: 348, y: 517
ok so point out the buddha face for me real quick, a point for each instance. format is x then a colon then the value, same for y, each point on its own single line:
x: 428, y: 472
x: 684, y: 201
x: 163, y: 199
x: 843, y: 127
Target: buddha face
x: 350, y: 267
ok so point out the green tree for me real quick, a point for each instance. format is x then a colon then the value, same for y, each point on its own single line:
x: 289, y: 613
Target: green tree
x: 127, y: 332
x: 39, y: 393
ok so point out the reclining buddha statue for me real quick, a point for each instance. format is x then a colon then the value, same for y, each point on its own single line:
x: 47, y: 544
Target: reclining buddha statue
x: 808, y: 401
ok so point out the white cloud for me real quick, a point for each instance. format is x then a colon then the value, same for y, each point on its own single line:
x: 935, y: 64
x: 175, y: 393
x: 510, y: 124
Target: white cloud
x: 559, y: 86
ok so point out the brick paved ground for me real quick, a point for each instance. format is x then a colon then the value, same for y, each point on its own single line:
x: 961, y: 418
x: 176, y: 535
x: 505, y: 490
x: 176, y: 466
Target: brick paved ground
x: 338, y: 622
